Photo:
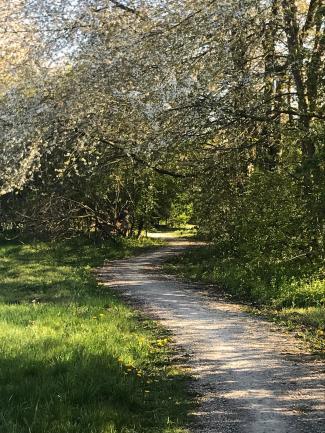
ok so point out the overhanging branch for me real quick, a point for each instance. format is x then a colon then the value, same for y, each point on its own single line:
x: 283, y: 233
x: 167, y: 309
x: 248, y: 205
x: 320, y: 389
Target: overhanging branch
x: 142, y: 161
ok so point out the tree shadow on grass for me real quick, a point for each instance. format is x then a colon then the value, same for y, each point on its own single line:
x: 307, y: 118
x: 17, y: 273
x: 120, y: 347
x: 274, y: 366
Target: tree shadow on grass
x: 47, y: 389
x: 86, y: 393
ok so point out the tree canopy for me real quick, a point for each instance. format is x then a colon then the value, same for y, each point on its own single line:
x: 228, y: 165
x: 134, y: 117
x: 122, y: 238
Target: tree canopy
x: 109, y: 106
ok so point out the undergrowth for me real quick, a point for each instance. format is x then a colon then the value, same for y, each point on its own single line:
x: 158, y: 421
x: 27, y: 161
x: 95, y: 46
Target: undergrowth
x: 290, y: 295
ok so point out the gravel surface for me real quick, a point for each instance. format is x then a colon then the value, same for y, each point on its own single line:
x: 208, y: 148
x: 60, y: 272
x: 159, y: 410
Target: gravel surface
x: 250, y: 377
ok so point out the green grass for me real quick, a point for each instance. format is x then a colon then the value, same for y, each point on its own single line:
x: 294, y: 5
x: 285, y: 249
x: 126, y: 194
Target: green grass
x: 307, y: 323
x: 284, y: 295
x: 73, y: 357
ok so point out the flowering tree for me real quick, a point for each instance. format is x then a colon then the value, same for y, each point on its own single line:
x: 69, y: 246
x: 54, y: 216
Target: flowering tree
x: 100, y: 96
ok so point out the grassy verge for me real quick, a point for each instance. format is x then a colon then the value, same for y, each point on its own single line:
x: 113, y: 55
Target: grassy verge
x: 307, y: 323
x: 73, y: 357
x: 297, y: 304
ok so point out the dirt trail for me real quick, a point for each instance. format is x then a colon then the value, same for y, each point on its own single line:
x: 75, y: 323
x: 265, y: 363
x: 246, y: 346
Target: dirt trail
x: 251, y: 379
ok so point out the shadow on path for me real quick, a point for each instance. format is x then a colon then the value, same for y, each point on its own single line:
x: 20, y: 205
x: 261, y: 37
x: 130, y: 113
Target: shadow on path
x: 245, y: 383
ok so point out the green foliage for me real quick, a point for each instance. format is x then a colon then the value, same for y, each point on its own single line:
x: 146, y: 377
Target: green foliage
x: 266, y: 227
x: 285, y: 289
x: 308, y: 323
x: 181, y: 210
x: 74, y: 358
x: 290, y: 299
x: 84, y: 200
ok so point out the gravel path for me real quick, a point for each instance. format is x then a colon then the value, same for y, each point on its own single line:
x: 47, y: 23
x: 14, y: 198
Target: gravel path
x: 250, y: 377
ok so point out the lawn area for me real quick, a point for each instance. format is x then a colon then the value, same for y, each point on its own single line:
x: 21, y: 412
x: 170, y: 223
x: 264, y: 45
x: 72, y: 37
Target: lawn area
x: 287, y: 296
x: 74, y: 358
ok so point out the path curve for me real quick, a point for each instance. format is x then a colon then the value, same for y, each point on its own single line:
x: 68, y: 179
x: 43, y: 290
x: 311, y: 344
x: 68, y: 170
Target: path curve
x: 246, y: 380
